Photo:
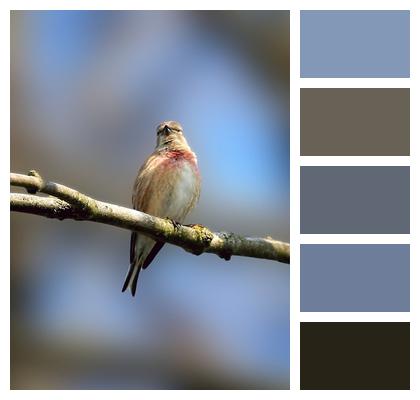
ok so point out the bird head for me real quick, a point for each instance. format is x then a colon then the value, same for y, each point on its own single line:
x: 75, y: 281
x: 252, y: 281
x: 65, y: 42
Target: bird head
x: 170, y: 134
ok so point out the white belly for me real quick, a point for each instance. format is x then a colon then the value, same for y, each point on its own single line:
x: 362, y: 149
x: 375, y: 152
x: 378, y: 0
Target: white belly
x: 183, y: 195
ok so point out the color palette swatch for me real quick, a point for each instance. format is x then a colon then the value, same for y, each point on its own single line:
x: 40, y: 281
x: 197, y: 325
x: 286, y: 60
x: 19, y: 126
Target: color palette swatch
x: 355, y: 278
x: 355, y: 355
x: 363, y: 198
x: 355, y: 44
x: 337, y: 199
x: 355, y: 122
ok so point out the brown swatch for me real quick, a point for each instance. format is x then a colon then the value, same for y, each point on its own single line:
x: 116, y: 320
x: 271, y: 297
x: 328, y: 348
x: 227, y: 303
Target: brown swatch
x: 355, y: 122
x: 354, y: 355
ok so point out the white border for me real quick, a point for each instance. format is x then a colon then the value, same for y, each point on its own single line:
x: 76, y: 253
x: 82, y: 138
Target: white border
x: 294, y: 198
x: 210, y: 5
x: 354, y: 161
x: 354, y: 239
x: 414, y: 197
x: 354, y: 83
x: 296, y: 83
x: 354, y: 317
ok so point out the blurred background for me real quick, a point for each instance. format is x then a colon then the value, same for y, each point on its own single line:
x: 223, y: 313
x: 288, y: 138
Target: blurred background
x: 87, y: 92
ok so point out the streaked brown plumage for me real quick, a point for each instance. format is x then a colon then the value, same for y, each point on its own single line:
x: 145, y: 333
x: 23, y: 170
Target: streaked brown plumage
x: 167, y: 186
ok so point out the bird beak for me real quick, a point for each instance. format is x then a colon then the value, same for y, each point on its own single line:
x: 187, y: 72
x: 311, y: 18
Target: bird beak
x: 166, y: 129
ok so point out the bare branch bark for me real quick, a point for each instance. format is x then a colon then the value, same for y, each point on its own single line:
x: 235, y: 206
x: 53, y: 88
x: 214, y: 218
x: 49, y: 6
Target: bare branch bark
x: 68, y: 203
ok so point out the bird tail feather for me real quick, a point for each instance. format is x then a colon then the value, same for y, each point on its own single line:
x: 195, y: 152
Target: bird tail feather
x: 140, y: 249
x: 132, y: 278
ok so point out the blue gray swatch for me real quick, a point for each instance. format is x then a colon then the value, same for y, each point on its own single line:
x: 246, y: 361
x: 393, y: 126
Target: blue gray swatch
x: 374, y: 44
x: 355, y: 200
x: 355, y: 277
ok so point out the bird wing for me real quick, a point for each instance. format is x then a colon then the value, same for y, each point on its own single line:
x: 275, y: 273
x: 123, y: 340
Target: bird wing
x: 152, y: 254
x: 148, y: 198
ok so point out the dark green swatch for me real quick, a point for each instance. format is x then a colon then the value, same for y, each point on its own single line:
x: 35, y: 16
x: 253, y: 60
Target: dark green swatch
x: 355, y: 122
x: 355, y: 355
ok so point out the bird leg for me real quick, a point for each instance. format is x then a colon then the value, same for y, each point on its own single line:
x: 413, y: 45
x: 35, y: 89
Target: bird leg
x: 175, y: 224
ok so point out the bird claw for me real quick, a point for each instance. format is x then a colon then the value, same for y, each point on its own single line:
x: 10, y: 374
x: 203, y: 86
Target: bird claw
x: 175, y: 224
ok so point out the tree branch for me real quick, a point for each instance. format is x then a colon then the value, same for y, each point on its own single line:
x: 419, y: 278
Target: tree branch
x: 68, y: 203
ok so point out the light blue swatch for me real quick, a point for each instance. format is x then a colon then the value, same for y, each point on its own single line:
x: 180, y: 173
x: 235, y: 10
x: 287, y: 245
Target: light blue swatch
x: 355, y: 44
x: 355, y: 278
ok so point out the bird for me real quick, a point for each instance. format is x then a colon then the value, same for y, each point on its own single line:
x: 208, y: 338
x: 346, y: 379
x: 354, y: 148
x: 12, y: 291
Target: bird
x: 167, y: 185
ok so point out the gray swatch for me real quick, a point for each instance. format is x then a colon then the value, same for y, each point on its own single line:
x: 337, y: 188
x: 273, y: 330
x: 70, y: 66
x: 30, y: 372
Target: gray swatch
x: 355, y: 277
x: 355, y: 122
x: 355, y: 200
x: 374, y: 44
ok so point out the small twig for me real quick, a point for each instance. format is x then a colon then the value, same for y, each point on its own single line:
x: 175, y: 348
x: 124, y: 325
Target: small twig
x: 34, y: 183
x: 71, y: 204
